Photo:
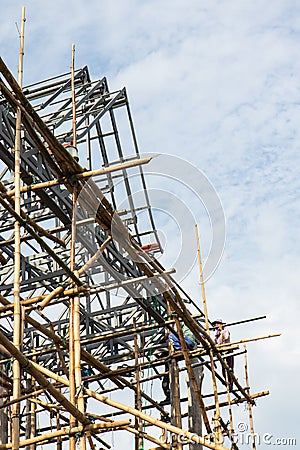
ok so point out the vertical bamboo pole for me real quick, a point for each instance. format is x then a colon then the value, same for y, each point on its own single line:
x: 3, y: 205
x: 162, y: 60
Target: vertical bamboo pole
x: 16, y: 368
x: 3, y: 415
x: 249, y: 407
x: 138, y: 399
x: 174, y: 391
x: 175, y: 399
x: 194, y: 410
x: 72, y: 442
x: 231, y: 429
x: 217, y: 424
x: 77, y: 363
x: 27, y: 411
x: 191, y: 374
x: 33, y: 414
x: 58, y: 427
x: 73, y: 96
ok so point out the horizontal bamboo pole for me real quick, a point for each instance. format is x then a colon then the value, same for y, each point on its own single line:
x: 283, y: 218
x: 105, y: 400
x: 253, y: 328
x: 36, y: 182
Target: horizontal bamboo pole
x: 94, y: 428
x: 90, y: 173
x: 163, y: 425
x: 242, y: 341
x: 239, y: 400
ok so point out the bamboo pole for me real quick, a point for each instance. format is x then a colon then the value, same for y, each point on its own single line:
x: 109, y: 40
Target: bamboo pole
x: 23, y: 397
x: 32, y: 423
x: 96, y: 427
x: 231, y: 427
x: 90, y: 441
x: 249, y: 407
x: 138, y: 399
x: 17, y: 332
x: 58, y: 427
x: 174, y: 390
x: 242, y: 341
x: 133, y: 430
x: 217, y: 424
x: 73, y: 96
x: 77, y: 365
x: 163, y: 425
x: 83, y: 175
x: 240, y: 400
x: 3, y: 413
x: 191, y: 375
x: 72, y: 380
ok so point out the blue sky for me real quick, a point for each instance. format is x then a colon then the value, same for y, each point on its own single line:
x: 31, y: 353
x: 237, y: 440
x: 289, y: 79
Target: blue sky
x: 216, y: 83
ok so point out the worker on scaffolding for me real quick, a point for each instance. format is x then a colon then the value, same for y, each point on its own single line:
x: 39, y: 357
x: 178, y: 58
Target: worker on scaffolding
x: 172, y: 339
x: 222, y: 336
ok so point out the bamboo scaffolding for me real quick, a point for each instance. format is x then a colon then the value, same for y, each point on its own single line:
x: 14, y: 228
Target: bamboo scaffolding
x: 17, y: 334
x: 62, y: 164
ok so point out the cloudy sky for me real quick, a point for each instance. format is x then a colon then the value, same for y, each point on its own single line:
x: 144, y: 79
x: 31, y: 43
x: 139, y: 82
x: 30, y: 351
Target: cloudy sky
x: 216, y: 83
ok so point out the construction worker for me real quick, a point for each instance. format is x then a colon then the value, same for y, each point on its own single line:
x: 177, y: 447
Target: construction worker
x: 222, y: 336
x: 175, y: 341
x: 188, y: 337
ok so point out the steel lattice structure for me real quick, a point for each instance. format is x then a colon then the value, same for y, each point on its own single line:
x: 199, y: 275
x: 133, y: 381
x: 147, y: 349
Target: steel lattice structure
x: 126, y: 297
